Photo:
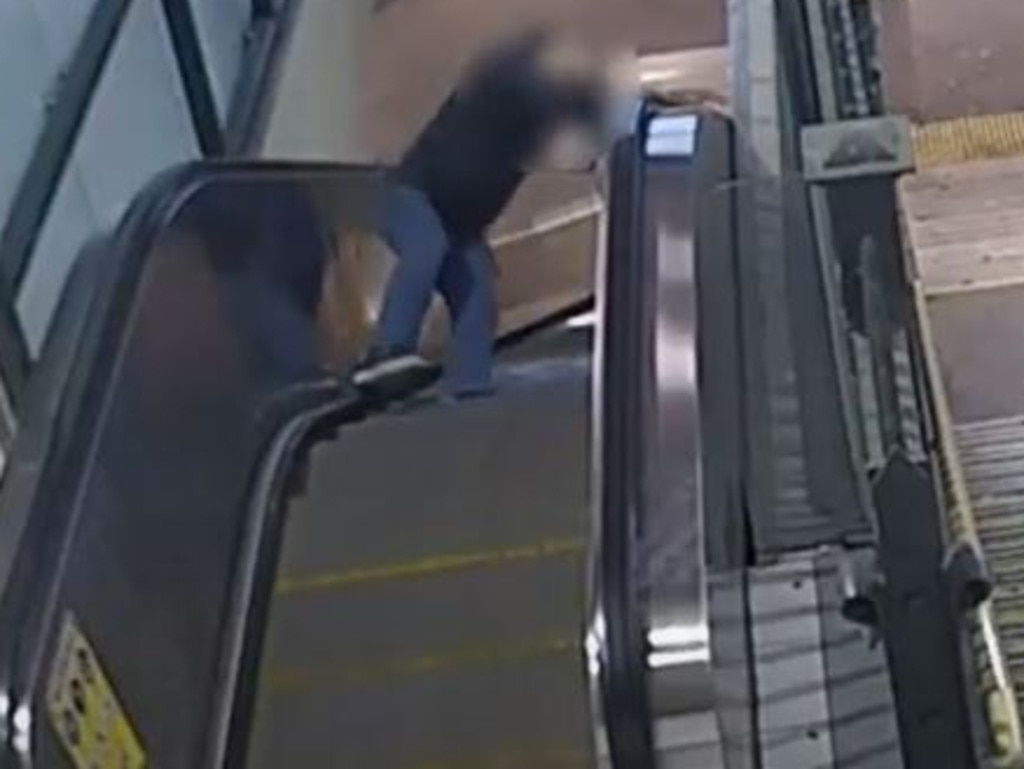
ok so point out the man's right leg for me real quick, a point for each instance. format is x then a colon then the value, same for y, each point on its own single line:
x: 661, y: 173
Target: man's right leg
x: 416, y: 235
x: 467, y: 284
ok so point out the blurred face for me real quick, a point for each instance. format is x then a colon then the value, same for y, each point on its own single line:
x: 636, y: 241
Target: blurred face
x: 573, y: 59
x: 566, y: 58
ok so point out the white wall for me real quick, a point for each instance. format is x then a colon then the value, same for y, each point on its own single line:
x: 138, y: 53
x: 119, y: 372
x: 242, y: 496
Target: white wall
x: 319, y: 98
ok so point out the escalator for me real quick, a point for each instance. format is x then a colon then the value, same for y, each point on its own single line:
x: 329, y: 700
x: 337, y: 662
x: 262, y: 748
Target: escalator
x: 255, y: 570
x: 674, y: 537
x: 710, y: 482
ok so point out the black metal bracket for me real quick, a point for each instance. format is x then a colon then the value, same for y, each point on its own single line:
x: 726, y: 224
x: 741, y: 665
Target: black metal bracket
x: 861, y: 586
x: 967, y: 577
x: 919, y: 622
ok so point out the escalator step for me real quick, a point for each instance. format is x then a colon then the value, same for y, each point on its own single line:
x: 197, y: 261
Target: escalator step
x: 992, y: 459
x: 430, y: 599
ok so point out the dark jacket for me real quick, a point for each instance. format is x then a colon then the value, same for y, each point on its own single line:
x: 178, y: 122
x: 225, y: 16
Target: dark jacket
x: 470, y: 158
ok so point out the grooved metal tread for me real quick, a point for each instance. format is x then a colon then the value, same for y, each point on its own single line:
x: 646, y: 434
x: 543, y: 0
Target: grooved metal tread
x: 992, y: 458
x: 428, y: 610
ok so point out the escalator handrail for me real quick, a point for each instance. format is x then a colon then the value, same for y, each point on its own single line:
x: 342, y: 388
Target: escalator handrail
x: 619, y: 620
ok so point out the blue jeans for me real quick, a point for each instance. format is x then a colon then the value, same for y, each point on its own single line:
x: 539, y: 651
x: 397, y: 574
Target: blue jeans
x: 462, y: 273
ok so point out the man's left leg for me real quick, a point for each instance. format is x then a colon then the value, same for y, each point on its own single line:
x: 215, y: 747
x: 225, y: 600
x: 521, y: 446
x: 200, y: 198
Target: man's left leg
x: 466, y: 282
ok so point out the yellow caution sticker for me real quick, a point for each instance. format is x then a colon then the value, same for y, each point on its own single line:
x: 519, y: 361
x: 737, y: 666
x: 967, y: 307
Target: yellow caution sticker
x: 85, y: 711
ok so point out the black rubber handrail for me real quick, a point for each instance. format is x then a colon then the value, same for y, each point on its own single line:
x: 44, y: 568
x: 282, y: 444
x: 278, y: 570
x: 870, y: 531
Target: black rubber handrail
x: 625, y: 353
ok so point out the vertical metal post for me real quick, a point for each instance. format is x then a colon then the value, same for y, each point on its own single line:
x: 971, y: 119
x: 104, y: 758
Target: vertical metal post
x: 918, y: 624
x: 14, y: 361
x: 195, y: 76
x: 263, y: 9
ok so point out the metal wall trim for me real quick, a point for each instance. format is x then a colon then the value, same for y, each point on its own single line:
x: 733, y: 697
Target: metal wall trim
x: 14, y: 362
x: 195, y: 76
x: 270, y: 28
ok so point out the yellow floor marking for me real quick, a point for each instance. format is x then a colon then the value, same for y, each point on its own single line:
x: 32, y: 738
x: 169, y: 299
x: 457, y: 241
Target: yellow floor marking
x: 387, y: 671
x: 84, y: 709
x: 983, y: 137
x: 534, y: 757
x: 428, y: 567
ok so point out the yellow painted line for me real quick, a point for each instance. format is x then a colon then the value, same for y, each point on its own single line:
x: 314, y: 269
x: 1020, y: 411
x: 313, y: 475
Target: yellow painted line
x: 983, y: 137
x: 429, y: 567
x: 534, y: 757
x: 345, y: 675
x: 513, y: 757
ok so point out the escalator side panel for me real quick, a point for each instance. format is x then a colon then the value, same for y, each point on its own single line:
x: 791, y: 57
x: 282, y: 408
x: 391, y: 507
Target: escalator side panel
x: 721, y: 382
x: 173, y: 436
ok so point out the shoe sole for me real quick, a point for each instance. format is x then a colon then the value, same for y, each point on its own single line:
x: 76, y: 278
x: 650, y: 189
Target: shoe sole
x: 395, y: 381
x: 388, y: 369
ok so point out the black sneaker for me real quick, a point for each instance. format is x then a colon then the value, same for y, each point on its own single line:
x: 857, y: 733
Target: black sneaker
x: 392, y: 371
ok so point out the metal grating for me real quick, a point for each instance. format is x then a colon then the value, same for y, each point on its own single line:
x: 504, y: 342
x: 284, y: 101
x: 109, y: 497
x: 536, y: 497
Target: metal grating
x: 992, y: 458
x: 994, y: 684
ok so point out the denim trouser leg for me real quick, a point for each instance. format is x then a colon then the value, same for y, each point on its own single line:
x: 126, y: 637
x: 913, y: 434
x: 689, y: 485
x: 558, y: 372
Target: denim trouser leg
x: 413, y: 230
x: 466, y: 283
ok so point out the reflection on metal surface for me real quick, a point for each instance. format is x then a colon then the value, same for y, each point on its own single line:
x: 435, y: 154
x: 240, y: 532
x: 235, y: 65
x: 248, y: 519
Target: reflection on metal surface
x: 585, y: 320
x: 21, y: 739
x: 672, y: 136
x: 679, y: 645
x: 593, y: 643
x: 679, y: 633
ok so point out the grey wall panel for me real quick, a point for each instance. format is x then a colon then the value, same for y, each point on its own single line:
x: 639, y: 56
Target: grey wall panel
x: 26, y: 72
x: 138, y: 125
x: 62, y: 23
x: 37, y: 39
x: 139, y: 122
x: 70, y: 223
